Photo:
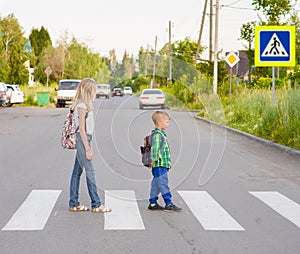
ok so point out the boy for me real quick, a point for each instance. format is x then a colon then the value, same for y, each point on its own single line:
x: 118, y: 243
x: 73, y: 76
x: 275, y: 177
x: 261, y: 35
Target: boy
x: 161, y: 163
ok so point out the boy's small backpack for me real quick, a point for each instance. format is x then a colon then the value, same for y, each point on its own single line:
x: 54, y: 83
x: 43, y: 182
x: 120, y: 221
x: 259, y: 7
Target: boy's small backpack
x: 68, y: 136
x: 146, y: 149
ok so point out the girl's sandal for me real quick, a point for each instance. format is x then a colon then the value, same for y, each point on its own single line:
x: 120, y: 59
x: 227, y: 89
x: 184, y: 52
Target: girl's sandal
x: 80, y: 208
x: 101, y: 210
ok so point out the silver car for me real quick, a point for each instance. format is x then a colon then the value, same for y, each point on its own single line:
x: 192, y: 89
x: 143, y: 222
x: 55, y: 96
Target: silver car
x: 103, y: 90
x: 14, y: 95
x: 152, y: 97
x: 2, y: 93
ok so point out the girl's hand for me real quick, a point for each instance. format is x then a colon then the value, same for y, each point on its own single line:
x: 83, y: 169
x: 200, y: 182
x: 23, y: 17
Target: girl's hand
x: 89, y: 154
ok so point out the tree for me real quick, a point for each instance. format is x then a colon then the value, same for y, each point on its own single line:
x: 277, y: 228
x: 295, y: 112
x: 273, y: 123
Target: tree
x: 294, y: 75
x: 55, y: 58
x: 104, y: 74
x: 126, y: 68
x: 273, y: 9
x: 12, y: 44
x: 82, y: 62
x: 124, y: 71
x: 40, y: 40
x: 142, y: 61
x: 113, y: 61
x: 74, y: 60
x: 295, y: 21
x: 185, y: 50
x: 183, y: 58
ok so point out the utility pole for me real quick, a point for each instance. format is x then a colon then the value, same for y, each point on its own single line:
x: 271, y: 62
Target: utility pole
x: 215, y: 84
x: 210, y: 48
x: 154, y: 64
x: 201, y: 31
x: 170, y: 55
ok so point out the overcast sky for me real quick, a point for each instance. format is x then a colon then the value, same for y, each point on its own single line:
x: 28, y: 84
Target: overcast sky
x: 129, y: 24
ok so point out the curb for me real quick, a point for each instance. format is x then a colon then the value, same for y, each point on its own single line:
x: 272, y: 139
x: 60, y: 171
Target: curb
x: 250, y: 136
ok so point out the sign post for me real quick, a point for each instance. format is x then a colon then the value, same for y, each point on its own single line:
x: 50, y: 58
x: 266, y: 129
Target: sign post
x: 48, y: 72
x: 274, y: 46
x: 231, y: 59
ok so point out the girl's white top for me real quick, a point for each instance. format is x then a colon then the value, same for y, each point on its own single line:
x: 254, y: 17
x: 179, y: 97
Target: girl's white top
x: 90, y: 121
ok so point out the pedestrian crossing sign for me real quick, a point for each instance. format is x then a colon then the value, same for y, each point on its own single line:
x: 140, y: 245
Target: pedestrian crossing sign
x: 275, y: 46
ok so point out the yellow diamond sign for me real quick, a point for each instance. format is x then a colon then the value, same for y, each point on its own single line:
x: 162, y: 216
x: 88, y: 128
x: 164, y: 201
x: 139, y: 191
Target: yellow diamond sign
x: 232, y: 59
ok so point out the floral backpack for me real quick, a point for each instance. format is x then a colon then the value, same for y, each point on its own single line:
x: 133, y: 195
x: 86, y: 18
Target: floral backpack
x: 68, y: 136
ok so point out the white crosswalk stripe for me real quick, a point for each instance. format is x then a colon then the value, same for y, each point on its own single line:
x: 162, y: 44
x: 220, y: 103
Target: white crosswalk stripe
x: 33, y: 214
x: 208, y: 212
x: 281, y: 204
x: 35, y: 211
x: 125, y: 214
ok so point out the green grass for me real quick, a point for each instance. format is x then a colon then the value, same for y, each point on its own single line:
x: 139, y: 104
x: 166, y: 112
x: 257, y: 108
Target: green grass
x: 31, y: 94
x: 252, y: 111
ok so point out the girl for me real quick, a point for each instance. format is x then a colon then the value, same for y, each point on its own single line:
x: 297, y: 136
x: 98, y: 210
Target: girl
x: 84, y: 118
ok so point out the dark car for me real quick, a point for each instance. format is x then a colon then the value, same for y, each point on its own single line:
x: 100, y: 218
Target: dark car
x: 117, y: 92
x: 2, y: 93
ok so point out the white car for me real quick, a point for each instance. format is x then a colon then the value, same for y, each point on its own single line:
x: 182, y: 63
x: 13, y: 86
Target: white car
x: 14, y: 95
x: 66, y: 92
x: 152, y: 97
x: 103, y: 90
x: 127, y: 90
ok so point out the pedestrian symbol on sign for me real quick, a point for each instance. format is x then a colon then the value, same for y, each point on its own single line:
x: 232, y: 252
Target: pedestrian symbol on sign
x: 274, y: 48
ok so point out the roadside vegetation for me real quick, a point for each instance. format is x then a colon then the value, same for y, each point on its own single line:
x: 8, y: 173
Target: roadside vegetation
x: 31, y: 94
x: 247, y: 106
x: 251, y: 111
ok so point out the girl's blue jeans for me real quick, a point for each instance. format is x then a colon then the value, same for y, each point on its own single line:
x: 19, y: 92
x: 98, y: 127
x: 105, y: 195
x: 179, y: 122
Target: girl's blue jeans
x: 81, y: 162
x: 160, y: 184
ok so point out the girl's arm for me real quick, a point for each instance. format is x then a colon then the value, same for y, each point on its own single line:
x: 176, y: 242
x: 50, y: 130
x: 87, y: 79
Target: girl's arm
x: 82, y: 118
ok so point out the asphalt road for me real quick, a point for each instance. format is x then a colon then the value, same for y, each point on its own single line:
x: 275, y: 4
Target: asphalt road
x: 238, y: 196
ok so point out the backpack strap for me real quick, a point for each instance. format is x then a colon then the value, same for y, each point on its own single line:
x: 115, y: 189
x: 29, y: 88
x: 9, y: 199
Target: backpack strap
x: 157, y: 132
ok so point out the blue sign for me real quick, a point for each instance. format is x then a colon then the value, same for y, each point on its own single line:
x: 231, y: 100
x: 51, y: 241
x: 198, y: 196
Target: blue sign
x: 275, y: 46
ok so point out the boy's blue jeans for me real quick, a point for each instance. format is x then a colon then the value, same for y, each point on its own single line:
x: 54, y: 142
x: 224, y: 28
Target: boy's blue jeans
x: 159, y: 185
x: 80, y: 163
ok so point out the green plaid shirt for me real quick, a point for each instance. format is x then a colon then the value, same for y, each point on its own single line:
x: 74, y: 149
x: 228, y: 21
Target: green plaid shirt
x: 160, y: 151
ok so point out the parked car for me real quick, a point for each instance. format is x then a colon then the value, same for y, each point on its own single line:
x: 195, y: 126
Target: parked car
x: 14, y: 95
x: 127, y: 90
x: 2, y: 93
x: 152, y: 97
x: 117, y: 92
x: 66, y: 92
x: 103, y: 90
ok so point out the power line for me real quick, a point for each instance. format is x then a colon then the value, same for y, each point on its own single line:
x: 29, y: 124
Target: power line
x: 236, y: 7
x: 233, y: 3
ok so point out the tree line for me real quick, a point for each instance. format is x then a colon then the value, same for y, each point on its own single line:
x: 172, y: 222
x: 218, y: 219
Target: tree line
x: 73, y: 59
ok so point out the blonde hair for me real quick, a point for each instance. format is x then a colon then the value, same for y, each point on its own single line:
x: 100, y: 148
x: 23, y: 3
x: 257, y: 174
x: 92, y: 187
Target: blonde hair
x: 159, y: 115
x: 86, y: 92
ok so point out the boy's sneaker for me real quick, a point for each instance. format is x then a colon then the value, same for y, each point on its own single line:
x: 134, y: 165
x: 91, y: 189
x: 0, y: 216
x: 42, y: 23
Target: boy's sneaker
x: 155, y: 207
x: 172, y: 207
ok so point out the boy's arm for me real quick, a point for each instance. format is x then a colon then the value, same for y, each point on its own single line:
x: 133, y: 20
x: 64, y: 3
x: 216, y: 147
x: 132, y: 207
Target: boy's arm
x: 156, y: 141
